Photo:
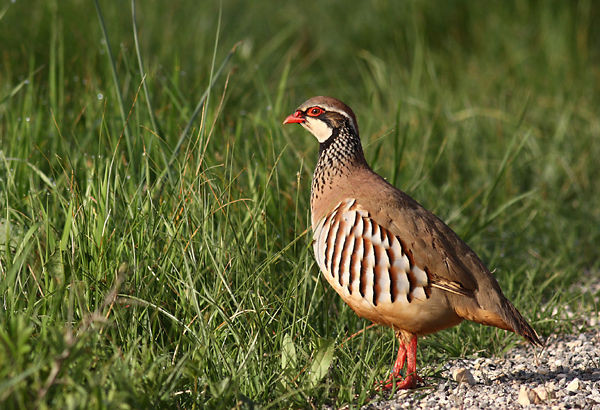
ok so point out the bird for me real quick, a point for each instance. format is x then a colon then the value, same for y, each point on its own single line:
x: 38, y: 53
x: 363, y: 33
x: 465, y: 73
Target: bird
x: 391, y: 260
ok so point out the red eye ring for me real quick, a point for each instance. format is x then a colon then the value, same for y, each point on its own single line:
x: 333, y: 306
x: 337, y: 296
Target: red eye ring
x: 315, y: 111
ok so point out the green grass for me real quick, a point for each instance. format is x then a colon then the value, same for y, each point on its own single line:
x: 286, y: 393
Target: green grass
x: 152, y: 255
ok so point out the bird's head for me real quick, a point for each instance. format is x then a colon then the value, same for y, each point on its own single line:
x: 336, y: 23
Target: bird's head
x: 322, y: 116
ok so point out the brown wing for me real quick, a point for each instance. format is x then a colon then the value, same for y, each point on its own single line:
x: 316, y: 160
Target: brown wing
x: 430, y: 244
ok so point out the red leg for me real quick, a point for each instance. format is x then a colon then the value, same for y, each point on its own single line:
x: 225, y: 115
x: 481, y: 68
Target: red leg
x: 406, y: 351
x: 398, y: 365
x: 400, y: 359
x: 411, y: 365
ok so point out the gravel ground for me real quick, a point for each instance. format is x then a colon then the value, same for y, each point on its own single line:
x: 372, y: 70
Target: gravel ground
x: 565, y: 374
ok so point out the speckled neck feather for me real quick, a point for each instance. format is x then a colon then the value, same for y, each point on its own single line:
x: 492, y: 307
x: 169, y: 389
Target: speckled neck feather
x: 341, y: 153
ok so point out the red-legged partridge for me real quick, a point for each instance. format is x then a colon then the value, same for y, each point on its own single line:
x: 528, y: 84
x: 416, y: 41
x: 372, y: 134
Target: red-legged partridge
x: 392, y: 261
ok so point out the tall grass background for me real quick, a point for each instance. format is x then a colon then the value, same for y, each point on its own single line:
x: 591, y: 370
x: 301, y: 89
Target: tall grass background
x: 155, y: 245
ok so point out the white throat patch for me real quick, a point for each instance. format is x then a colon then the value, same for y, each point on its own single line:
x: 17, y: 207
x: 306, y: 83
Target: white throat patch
x: 317, y: 128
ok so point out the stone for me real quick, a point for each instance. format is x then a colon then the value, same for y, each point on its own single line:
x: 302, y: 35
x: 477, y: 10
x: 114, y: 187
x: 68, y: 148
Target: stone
x: 533, y: 397
x: 573, y: 386
x: 528, y: 396
x: 523, y: 398
x: 463, y: 375
x: 541, y: 392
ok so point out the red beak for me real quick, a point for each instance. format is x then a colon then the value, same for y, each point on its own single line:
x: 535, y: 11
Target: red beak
x: 295, y: 118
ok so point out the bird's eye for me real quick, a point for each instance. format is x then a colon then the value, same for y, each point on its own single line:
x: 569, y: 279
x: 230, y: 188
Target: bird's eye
x: 315, y: 111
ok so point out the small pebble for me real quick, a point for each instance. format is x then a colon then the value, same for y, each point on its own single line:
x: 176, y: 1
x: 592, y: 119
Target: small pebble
x: 573, y: 386
x: 463, y: 375
x: 542, y: 393
x: 523, y: 399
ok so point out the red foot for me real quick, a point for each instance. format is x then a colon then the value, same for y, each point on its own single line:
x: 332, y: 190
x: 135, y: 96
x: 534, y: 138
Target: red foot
x: 405, y: 351
x: 409, y: 382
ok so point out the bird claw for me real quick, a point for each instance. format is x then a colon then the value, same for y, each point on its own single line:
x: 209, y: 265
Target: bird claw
x: 409, y: 382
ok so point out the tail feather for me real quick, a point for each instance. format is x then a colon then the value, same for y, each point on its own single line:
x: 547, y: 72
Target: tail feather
x: 498, y: 312
x: 519, y: 325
